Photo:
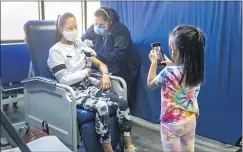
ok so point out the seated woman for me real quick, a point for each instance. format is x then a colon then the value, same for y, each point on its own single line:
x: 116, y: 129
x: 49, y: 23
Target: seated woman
x: 68, y: 63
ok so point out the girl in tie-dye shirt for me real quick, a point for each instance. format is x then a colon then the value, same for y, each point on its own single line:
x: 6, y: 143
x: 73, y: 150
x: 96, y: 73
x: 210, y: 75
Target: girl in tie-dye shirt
x: 180, y: 84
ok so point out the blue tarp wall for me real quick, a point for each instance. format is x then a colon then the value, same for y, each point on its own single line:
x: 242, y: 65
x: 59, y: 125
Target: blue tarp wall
x: 220, y: 97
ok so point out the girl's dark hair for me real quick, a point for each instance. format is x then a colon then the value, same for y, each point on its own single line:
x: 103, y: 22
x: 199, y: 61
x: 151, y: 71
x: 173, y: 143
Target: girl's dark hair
x: 61, y: 20
x: 191, y: 42
x: 109, y: 14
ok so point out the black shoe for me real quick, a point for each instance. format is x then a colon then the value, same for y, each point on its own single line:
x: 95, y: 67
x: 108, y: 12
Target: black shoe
x: 15, y: 105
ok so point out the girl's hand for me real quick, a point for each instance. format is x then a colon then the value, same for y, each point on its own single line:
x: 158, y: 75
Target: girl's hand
x: 153, y: 56
x: 167, y: 61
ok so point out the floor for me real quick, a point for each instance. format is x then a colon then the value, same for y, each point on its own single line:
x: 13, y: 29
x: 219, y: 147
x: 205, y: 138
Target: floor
x: 146, y: 136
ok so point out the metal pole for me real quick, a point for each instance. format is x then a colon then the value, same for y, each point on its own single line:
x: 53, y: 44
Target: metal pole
x: 13, y: 133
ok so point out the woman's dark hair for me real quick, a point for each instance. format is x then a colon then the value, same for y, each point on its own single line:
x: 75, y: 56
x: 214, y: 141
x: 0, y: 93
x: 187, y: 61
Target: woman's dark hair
x: 191, y: 42
x: 61, y: 20
x: 109, y: 14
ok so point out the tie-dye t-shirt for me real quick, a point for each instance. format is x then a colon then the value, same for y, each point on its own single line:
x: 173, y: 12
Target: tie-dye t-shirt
x: 177, y: 101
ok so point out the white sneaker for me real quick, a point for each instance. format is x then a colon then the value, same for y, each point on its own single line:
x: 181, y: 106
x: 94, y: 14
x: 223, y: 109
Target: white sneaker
x: 132, y: 148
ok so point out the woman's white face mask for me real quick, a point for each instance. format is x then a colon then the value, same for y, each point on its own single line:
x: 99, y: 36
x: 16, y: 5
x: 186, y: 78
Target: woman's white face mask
x: 70, y: 36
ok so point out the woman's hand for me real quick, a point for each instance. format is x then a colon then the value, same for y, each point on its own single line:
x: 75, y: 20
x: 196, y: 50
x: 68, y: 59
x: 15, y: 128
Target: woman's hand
x: 167, y: 61
x: 153, y: 56
x: 105, y: 82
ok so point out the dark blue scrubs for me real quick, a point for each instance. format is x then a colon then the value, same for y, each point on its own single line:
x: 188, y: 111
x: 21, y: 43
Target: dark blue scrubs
x: 117, y: 51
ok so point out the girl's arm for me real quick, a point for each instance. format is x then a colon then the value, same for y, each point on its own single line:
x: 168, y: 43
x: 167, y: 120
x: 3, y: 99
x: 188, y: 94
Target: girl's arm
x: 154, y: 81
x: 151, y: 76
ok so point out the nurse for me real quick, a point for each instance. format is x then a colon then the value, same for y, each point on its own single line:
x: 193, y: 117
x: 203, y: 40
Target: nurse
x: 113, y: 44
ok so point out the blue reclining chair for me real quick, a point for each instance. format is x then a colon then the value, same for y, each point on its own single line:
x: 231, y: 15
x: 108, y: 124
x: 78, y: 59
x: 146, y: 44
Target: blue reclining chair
x: 46, y: 99
x: 14, y: 69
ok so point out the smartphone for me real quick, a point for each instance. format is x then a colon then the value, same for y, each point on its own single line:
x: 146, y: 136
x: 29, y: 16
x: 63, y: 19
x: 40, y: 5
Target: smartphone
x: 158, y: 48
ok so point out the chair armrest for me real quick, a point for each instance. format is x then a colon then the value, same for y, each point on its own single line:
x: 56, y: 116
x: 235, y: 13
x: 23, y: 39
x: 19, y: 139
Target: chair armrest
x: 51, y: 82
x: 122, y: 82
x: 40, y: 79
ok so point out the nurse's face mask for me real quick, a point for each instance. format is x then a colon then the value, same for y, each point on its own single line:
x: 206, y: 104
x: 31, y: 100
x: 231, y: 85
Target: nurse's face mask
x: 99, y: 30
x: 70, y: 30
x: 100, y: 25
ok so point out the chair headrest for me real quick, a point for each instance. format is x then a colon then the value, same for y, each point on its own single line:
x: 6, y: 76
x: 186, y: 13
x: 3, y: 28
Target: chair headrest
x: 40, y: 37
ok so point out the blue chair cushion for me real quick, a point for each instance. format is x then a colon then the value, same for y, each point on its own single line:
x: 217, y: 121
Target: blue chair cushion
x: 14, y: 63
x: 85, y: 116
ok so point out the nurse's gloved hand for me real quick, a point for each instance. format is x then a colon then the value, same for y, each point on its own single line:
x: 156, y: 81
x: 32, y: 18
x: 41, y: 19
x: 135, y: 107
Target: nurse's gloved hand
x: 93, y: 53
x: 89, y: 43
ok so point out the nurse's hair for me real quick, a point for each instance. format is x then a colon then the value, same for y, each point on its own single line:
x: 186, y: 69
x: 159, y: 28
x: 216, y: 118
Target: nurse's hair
x: 108, y: 13
x: 190, y: 42
x: 61, y: 20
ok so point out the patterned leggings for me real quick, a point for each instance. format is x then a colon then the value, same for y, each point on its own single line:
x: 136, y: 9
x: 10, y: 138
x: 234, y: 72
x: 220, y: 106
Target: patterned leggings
x: 93, y: 99
x: 178, y: 136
